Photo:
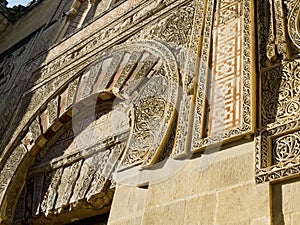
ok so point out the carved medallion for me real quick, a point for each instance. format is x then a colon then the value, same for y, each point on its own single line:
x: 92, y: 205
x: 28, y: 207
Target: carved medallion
x: 123, y: 108
x: 145, y: 76
x: 294, y: 24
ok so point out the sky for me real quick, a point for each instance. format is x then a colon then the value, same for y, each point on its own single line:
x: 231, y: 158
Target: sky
x: 18, y: 2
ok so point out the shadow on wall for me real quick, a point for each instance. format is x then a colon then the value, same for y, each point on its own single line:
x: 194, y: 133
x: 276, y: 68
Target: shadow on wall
x: 71, y: 179
x: 22, y: 96
x: 285, y: 202
x: 270, y: 81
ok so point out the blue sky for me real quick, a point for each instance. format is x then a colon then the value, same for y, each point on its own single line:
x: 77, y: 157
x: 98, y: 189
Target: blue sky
x: 18, y: 2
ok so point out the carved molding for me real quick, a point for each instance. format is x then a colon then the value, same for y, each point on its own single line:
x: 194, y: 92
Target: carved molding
x: 67, y: 65
x: 241, y: 15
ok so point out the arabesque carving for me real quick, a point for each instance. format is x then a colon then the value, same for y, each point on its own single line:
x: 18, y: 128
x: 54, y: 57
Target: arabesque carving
x: 128, y: 73
x: 277, y: 140
x: 68, y: 64
x: 176, y: 28
x: 286, y: 147
x: 144, y: 110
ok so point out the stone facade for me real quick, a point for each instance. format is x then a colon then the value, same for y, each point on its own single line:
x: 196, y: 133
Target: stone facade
x: 150, y: 112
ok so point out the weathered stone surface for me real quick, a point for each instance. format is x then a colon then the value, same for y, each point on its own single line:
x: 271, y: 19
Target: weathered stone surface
x: 290, y: 197
x: 134, y: 220
x: 240, y: 204
x: 207, y: 174
x: 200, y: 210
x: 208, y: 194
x: 168, y: 214
x: 128, y: 205
x: 92, y: 89
x: 261, y: 220
x: 285, y: 202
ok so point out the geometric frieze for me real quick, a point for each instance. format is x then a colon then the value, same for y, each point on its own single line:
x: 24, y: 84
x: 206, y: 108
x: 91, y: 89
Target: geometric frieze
x: 277, y: 140
x: 225, y: 99
x: 226, y: 80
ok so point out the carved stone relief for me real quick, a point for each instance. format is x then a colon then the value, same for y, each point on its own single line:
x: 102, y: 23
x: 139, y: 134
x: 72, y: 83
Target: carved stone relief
x: 286, y: 147
x: 180, y: 30
x: 8, y: 65
x: 6, y: 69
x: 129, y: 73
x: 74, y: 167
x: 145, y: 79
x: 69, y: 64
x: 152, y: 89
x: 54, y: 75
x: 176, y: 28
x: 46, y: 39
x: 224, y: 106
x: 277, y: 148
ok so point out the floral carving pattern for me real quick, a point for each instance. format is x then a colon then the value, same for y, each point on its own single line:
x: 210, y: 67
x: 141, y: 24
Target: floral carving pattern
x: 280, y: 92
x: 176, y: 28
x: 277, y: 140
x: 57, y: 82
x: 78, y: 169
x: 286, y: 147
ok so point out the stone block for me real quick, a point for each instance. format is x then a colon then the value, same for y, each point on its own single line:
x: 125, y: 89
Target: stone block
x: 200, y: 210
x: 290, y: 197
x: 243, y: 203
x: 229, y: 167
x: 295, y: 218
x: 206, y: 174
x: 129, y: 202
x: 171, y: 214
x: 162, y: 192
x: 265, y: 220
x: 131, y: 221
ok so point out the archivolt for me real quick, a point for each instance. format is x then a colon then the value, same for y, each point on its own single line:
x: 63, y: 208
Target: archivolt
x: 143, y: 74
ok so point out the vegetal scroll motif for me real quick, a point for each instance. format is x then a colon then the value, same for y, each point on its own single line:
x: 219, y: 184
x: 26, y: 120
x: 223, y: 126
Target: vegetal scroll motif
x: 286, y: 147
x: 277, y: 141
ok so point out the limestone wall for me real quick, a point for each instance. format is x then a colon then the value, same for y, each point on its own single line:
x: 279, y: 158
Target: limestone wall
x: 216, y: 188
